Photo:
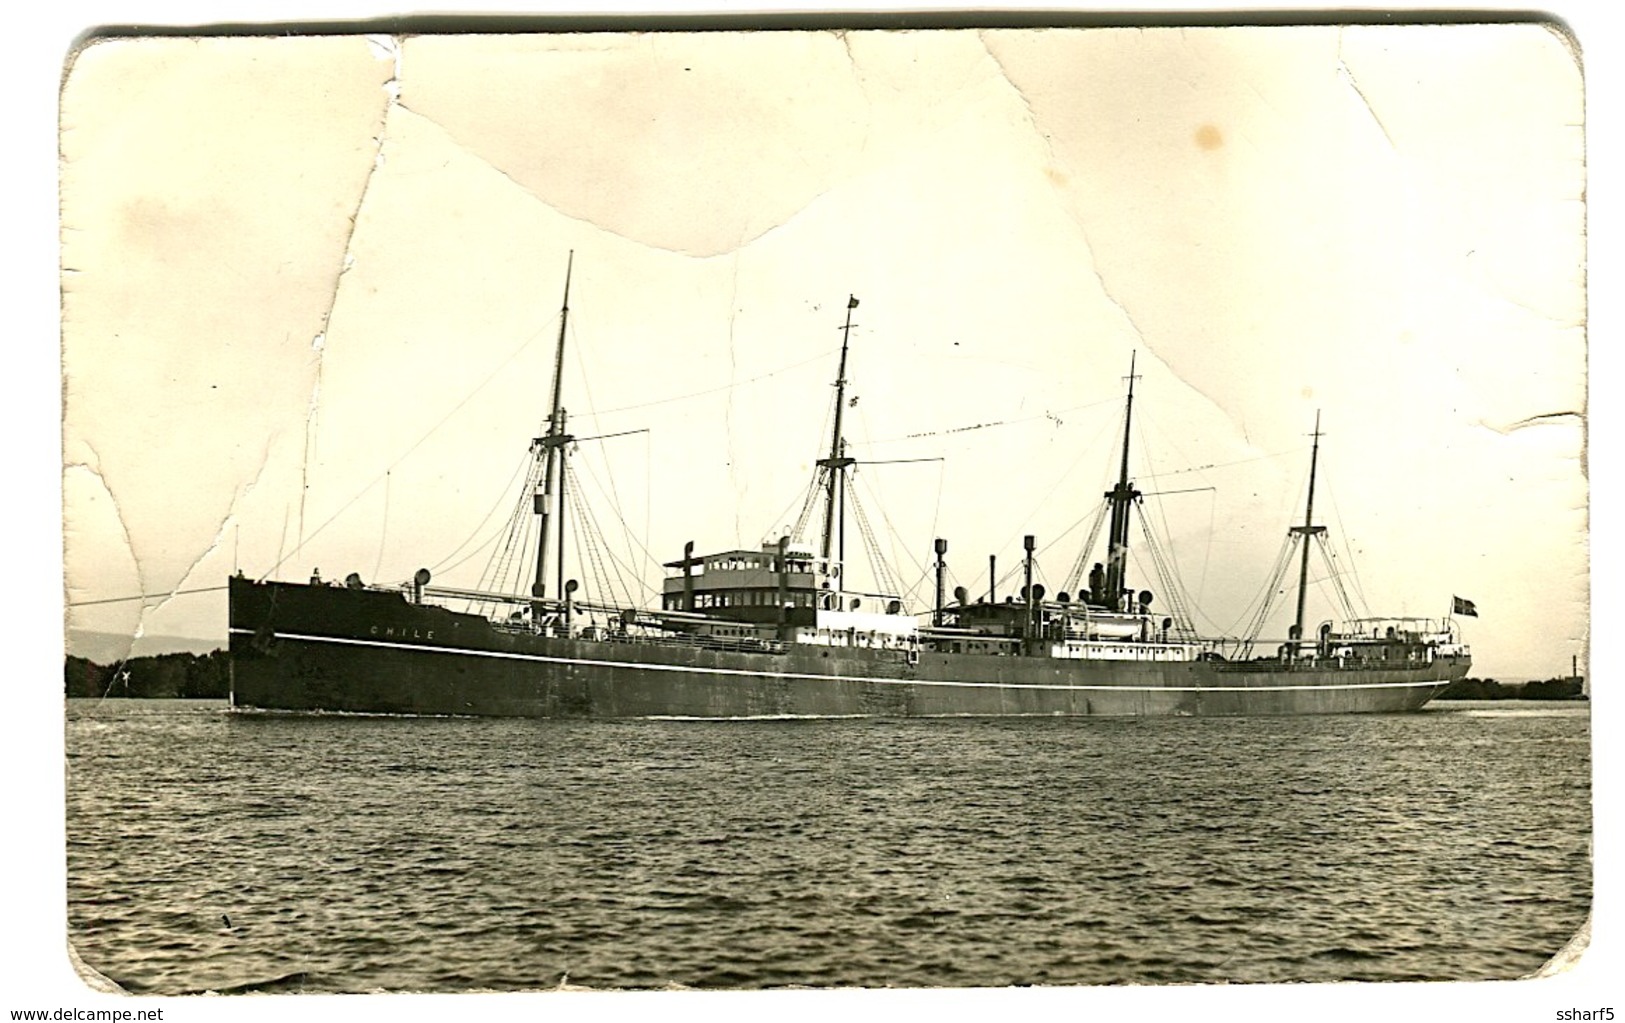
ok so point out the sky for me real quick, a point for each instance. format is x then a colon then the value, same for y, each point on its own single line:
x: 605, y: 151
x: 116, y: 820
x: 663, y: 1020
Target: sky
x: 311, y: 295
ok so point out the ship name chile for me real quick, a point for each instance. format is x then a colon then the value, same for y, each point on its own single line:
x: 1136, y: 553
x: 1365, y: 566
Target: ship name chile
x: 403, y: 632
x: 1604, y: 1014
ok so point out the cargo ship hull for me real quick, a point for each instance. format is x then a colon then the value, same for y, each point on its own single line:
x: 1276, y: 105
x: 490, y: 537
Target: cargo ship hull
x: 317, y: 648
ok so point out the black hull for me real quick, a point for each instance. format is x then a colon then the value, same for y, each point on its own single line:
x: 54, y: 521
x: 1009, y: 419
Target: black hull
x: 320, y: 648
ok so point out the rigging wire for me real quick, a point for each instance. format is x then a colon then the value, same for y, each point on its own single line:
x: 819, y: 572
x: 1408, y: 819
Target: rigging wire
x: 1271, y: 590
x: 496, y: 534
x: 820, y: 484
x: 1166, y: 537
x: 594, y: 416
x: 589, y: 560
x: 494, y: 575
x: 626, y: 590
x: 885, y: 580
x: 518, y: 519
x: 648, y: 556
x: 1221, y: 465
x: 304, y: 539
x: 1011, y: 574
x: 383, y: 530
x: 648, y: 504
x: 1207, y: 550
x: 282, y: 541
x: 587, y: 524
x: 1050, y: 415
x: 1074, y: 578
x: 504, y: 560
x: 725, y: 387
x: 779, y: 519
x: 862, y: 416
x: 143, y: 597
x: 1083, y: 452
x: 1354, y: 562
x: 613, y: 499
x: 527, y: 460
x: 798, y: 532
x: 1265, y: 598
x: 893, y: 532
x: 1169, y: 567
x: 1148, y: 523
x: 1198, y: 611
x: 1173, y: 587
x: 1329, y: 554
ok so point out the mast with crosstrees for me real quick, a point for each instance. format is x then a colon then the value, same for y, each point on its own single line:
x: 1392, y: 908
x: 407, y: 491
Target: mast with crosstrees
x: 550, y: 447
x: 1308, y: 531
x: 1121, y: 497
x: 837, y: 462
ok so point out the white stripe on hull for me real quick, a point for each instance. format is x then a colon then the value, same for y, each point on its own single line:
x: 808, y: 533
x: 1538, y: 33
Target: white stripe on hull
x: 699, y: 670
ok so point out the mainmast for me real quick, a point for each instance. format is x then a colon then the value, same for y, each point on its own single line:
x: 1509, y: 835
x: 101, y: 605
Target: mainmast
x: 1121, y: 496
x: 837, y: 462
x: 551, y: 447
x: 1307, y: 531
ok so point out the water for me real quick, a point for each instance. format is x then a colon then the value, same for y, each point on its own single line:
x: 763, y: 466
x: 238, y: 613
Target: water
x: 210, y: 851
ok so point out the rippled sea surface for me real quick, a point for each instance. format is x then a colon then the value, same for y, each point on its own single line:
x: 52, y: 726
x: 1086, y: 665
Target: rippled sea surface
x: 213, y: 851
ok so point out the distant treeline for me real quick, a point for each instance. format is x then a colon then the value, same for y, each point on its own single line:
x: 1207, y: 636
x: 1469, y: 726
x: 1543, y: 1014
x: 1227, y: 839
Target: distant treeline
x: 166, y: 676
x: 1568, y: 688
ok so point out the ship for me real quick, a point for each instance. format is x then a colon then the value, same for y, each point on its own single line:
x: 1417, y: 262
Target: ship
x: 776, y: 631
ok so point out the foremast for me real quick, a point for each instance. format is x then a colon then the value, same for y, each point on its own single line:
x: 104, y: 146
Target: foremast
x: 550, y: 448
x: 1121, y: 497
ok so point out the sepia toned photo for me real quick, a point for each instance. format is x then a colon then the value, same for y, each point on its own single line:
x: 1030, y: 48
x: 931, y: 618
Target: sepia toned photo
x: 942, y: 507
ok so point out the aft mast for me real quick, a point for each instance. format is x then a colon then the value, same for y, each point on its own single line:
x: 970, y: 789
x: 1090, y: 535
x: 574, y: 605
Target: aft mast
x: 551, y: 448
x: 837, y: 462
x: 1121, y: 496
x: 1308, y: 530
